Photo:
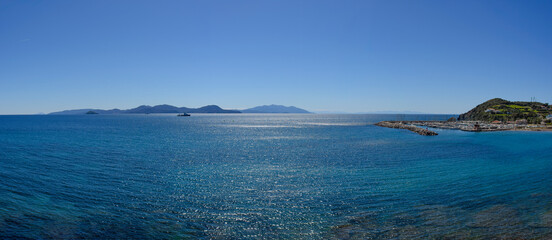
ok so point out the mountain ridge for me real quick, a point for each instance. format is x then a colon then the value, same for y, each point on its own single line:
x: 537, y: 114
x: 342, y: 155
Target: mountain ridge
x: 145, y: 109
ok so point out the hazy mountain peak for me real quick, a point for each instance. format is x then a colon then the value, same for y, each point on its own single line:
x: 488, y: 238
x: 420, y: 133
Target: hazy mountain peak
x: 273, y: 108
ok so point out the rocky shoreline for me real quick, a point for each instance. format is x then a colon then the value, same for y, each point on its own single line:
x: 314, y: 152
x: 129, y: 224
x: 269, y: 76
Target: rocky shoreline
x: 404, y: 125
x: 469, y: 126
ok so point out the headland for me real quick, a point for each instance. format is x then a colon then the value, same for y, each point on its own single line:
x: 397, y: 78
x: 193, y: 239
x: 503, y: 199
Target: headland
x: 493, y: 115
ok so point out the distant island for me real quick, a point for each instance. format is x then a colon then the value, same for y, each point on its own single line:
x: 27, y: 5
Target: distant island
x: 275, y: 109
x: 494, y: 115
x: 144, y: 109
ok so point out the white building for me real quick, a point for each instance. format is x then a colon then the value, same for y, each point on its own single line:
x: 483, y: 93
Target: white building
x: 492, y: 110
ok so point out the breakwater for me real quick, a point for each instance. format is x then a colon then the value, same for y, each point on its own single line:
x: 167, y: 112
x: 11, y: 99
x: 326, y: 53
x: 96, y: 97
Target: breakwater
x: 403, y: 125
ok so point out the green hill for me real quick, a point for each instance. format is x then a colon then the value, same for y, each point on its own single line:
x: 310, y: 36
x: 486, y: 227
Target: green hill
x: 503, y: 110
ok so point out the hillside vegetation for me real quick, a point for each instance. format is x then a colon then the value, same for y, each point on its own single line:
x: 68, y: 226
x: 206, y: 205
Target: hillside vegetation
x: 503, y: 110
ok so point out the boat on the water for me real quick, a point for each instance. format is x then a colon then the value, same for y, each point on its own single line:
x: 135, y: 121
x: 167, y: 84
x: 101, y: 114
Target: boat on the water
x: 183, y: 115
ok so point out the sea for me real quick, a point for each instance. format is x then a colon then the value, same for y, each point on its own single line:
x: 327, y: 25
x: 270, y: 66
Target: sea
x: 268, y: 176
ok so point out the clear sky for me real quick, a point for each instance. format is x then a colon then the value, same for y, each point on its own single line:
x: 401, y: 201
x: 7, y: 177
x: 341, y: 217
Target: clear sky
x: 352, y: 56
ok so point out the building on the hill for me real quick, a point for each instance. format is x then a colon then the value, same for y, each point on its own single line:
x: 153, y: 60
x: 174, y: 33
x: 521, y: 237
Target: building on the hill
x: 492, y: 110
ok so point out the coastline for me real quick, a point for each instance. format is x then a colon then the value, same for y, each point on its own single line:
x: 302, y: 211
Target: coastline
x: 467, y: 126
x: 531, y: 130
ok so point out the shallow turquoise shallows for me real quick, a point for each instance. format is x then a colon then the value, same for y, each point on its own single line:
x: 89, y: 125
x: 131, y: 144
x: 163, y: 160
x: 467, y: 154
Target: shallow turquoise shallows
x: 283, y: 176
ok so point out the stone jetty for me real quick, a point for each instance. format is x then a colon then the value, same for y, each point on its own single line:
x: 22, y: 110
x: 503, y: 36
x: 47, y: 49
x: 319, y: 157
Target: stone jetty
x: 403, y: 125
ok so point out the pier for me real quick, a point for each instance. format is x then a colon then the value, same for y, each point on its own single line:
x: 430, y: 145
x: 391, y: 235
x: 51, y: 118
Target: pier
x: 403, y: 125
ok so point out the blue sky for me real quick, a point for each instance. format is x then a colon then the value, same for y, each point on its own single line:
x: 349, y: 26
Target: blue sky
x: 351, y: 56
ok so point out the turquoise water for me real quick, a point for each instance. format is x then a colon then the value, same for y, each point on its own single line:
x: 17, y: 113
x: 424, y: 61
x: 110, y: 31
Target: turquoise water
x: 268, y: 176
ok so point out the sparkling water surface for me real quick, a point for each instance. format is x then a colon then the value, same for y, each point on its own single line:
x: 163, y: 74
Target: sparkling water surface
x: 247, y: 176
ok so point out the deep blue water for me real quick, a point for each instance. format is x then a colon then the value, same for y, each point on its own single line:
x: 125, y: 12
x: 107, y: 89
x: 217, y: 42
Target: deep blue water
x: 268, y: 176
